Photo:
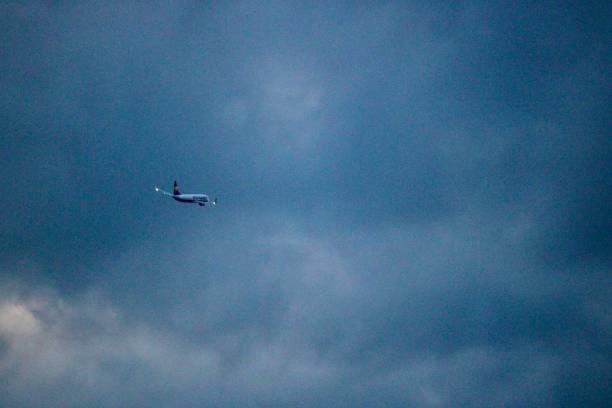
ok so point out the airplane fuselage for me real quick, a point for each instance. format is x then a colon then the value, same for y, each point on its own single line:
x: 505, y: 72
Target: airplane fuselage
x: 191, y: 198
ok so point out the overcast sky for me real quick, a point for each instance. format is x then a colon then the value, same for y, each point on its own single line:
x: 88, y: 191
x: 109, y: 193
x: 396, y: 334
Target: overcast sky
x: 415, y: 204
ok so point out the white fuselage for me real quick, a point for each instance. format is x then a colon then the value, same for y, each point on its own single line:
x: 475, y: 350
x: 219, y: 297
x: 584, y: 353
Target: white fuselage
x: 191, y: 198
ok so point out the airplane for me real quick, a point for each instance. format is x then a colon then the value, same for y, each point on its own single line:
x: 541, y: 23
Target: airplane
x: 199, y: 199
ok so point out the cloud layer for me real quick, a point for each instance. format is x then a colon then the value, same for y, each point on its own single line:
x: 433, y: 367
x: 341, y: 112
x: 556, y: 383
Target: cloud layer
x: 414, y: 205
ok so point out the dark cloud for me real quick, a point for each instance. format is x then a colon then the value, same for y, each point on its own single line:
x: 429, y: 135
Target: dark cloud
x: 414, y: 204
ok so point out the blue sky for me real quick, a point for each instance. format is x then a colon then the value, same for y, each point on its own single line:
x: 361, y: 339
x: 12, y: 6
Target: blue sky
x: 414, y: 204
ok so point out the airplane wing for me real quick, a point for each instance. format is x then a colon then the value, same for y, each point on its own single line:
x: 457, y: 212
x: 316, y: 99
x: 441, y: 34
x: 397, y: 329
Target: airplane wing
x: 159, y: 190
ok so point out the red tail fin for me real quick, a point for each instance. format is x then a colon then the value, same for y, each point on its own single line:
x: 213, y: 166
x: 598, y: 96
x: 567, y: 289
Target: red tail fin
x: 176, y: 188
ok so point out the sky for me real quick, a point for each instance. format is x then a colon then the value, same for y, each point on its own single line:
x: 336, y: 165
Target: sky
x: 414, y: 204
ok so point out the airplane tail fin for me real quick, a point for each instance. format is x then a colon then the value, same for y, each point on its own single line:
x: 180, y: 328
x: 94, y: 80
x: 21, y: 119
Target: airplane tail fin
x: 176, y: 188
